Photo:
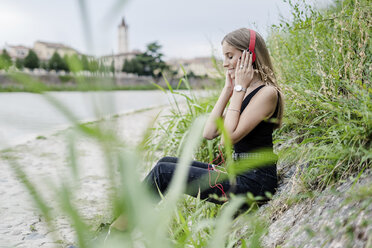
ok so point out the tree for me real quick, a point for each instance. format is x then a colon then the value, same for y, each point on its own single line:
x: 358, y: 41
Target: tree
x: 149, y: 63
x: 191, y: 74
x: 44, y: 65
x: 85, y: 63
x: 5, y: 60
x: 102, y: 67
x: 19, y: 63
x: 32, y: 60
x: 112, y: 67
x: 57, y: 63
x: 93, y: 65
x: 132, y: 66
x: 74, y: 63
x: 65, y: 65
x: 156, y: 65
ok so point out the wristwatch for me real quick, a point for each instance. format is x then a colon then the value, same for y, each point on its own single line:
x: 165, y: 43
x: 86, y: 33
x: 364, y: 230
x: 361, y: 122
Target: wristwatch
x: 239, y: 88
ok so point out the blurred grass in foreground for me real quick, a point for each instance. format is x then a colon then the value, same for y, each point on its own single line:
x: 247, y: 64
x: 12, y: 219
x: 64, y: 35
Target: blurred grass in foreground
x: 148, y: 223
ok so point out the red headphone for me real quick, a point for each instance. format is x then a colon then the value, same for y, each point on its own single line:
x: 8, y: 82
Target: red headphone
x: 252, y: 44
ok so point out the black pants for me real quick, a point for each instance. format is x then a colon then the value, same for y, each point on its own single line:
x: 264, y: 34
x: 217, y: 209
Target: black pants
x: 256, y: 181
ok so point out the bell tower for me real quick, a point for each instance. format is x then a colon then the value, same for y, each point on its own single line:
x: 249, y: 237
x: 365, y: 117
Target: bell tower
x: 123, y: 46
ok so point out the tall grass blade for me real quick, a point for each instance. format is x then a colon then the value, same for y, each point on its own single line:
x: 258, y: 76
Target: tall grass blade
x: 223, y: 223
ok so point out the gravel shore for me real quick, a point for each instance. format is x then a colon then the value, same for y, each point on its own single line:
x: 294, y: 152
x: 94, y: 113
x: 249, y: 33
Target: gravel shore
x: 46, y: 164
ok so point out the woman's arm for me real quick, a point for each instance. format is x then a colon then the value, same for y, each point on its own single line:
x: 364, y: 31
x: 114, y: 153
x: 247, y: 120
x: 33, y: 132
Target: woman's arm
x: 210, y: 128
x: 233, y: 114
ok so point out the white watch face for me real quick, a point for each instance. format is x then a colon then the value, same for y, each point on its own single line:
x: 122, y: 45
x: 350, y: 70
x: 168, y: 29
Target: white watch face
x: 238, y: 88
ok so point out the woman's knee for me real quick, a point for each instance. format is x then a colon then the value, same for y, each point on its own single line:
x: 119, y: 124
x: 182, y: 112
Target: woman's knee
x: 165, y: 168
x: 162, y: 175
x: 161, y: 170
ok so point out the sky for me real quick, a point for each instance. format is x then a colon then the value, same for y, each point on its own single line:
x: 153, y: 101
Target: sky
x: 185, y: 29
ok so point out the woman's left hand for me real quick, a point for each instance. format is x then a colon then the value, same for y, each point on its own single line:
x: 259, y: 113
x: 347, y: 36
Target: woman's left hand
x: 244, y: 70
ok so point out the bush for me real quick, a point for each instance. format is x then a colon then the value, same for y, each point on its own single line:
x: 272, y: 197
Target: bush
x: 65, y: 78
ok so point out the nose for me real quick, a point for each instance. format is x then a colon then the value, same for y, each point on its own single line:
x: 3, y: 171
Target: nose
x: 225, y: 64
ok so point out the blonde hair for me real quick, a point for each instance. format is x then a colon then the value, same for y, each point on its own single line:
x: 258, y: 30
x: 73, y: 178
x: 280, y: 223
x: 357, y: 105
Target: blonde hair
x: 240, y: 40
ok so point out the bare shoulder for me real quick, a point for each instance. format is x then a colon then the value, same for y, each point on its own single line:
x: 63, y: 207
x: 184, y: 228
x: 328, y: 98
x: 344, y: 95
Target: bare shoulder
x: 268, y: 94
x: 265, y: 101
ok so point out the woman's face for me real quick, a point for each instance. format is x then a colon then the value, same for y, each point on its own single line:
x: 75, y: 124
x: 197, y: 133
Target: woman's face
x: 231, y: 56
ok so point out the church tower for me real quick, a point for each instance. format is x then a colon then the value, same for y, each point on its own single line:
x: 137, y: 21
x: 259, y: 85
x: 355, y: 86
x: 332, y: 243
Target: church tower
x: 123, y: 45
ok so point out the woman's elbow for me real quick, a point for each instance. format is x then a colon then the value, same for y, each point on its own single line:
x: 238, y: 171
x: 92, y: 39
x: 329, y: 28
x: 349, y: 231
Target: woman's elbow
x: 209, y: 135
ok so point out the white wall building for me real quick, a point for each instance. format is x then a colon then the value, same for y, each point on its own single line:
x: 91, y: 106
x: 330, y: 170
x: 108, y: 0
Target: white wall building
x: 45, y: 50
x: 200, y: 66
x: 17, y: 52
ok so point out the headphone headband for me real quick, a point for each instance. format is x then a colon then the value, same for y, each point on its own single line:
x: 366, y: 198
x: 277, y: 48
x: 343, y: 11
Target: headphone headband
x: 252, y: 44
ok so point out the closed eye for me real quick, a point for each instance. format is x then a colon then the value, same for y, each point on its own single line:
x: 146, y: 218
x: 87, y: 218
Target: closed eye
x: 228, y: 55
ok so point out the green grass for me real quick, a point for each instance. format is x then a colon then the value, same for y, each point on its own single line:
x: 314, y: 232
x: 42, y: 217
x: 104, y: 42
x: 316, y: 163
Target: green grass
x: 323, y: 60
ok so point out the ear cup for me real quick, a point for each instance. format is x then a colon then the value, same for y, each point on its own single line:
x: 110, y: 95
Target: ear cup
x: 252, y: 44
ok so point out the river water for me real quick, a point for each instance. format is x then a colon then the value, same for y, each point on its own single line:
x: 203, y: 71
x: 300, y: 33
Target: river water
x: 24, y: 116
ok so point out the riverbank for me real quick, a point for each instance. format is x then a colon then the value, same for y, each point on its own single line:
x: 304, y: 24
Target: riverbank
x: 45, y: 162
x: 17, y: 81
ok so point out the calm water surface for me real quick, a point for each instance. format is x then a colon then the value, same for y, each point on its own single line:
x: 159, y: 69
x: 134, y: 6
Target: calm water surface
x: 24, y: 116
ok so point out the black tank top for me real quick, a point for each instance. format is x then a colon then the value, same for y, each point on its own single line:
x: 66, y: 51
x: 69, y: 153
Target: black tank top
x: 261, y: 135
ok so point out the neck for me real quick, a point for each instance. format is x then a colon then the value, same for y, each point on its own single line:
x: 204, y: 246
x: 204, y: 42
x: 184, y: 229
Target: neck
x: 256, y: 81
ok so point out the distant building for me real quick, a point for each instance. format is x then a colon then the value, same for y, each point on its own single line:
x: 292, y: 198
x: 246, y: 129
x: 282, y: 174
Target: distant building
x: 17, y: 52
x: 200, y: 66
x: 45, y: 50
x: 118, y: 59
